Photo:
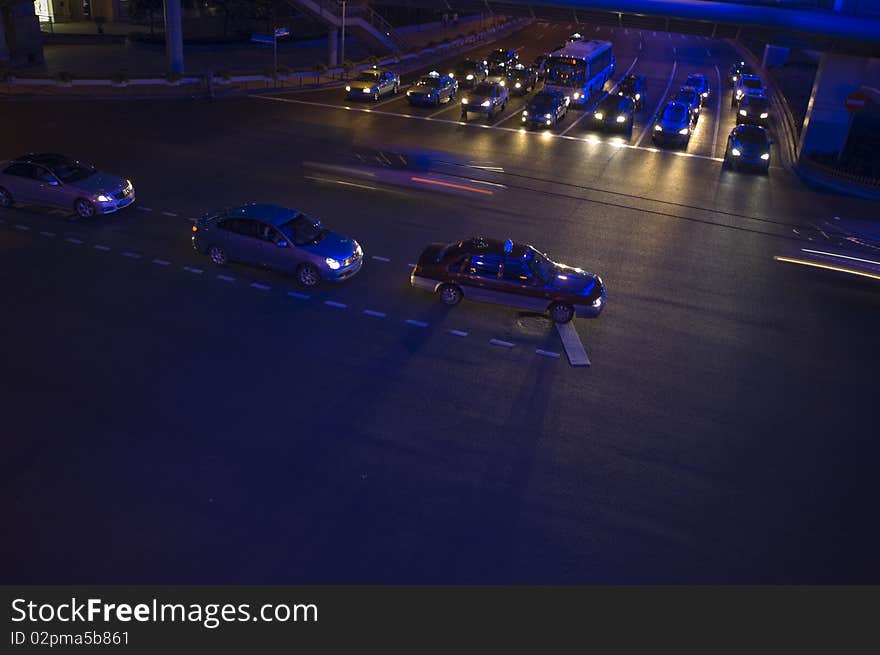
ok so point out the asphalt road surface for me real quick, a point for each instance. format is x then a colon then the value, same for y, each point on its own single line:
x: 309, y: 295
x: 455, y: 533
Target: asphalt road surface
x: 166, y: 421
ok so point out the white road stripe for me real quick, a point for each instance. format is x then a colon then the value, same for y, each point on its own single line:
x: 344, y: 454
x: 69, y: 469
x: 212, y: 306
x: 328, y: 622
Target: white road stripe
x: 169, y: 214
x: 674, y: 50
x: 300, y: 296
x: 499, y: 342
x: 131, y: 255
x: 370, y: 312
x: 144, y: 209
x: 514, y: 130
x: 650, y: 125
x: 74, y: 241
x: 655, y: 33
x: 104, y: 248
x: 190, y: 269
x: 458, y: 333
x: 708, y: 53
x: 717, y: 111
x: 577, y: 356
x: 420, y: 324
x: 546, y: 353
x: 161, y: 262
x: 332, y: 303
x: 261, y: 287
x: 381, y: 259
x: 23, y: 228
x: 226, y: 278
x: 47, y: 234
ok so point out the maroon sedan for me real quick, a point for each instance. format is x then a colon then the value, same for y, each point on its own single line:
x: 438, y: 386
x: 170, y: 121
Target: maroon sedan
x: 511, y: 274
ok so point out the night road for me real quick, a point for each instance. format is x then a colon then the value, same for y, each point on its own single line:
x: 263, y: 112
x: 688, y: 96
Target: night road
x: 168, y: 421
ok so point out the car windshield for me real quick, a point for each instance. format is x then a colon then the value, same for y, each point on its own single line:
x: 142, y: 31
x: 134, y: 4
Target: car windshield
x: 483, y: 89
x: 611, y: 103
x: 540, y: 265
x: 71, y: 171
x: 752, y: 83
x: 519, y: 72
x: 431, y: 82
x: 754, y: 102
x: 694, y: 80
x: 686, y: 96
x: 498, y: 57
x: 367, y: 76
x: 303, y: 230
x: 674, y: 113
x: 753, y: 135
x: 628, y: 85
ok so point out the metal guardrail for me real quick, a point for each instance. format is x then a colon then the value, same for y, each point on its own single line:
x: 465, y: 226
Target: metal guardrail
x: 829, y: 171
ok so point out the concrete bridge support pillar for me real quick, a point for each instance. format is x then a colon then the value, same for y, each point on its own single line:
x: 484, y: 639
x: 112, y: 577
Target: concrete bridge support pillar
x: 333, y: 47
x: 826, y: 125
x: 174, y: 35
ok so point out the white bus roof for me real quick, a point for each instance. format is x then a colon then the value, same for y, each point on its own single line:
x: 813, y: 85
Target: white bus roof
x: 582, y: 49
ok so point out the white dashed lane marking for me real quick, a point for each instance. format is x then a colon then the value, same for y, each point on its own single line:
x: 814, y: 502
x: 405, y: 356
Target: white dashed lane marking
x: 420, y: 324
x: 145, y: 209
x: 333, y: 303
x: 457, y: 333
x: 226, y: 278
x: 131, y: 255
x: 261, y: 287
x: 577, y: 356
x: 48, y: 234
x: 381, y: 259
x: 190, y: 269
x: 169, y: 214
x: 23, y: 228
x: 300, y: 296
x: 75, y: 241
x: 161, y: 262
x: 499, y: 342
x: 370, y: 312
x: 102, y: 248
x: 546, y: 353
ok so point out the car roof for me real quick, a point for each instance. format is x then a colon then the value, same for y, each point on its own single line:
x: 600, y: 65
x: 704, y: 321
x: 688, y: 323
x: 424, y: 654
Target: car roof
x: 47, y: 158
x: 272, y: 214
x: 484, y: 245
x: 699, y: 75
x: 753, y: 129
x: 688, y: 88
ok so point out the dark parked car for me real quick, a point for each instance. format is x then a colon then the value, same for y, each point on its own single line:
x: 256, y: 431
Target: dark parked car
x: 499, y: 62
x: 511, y: 274
x: 738, y: 69
x: 278, y: 238
x: 545, y: 109
x: 753, y: 109
x: 468, y: 73
x: 634, y: 85
x: 488, y: 98
x: 59, y: 181
x: 675, y: 124
x: 691, y: 97
x: 432, y: 89
x: 748, y: 145
x: 521, y: 79
x: 615, y: 113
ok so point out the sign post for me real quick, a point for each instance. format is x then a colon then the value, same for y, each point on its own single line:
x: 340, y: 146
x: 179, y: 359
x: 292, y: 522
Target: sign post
x: 854, y: 103
x: 262, y: 38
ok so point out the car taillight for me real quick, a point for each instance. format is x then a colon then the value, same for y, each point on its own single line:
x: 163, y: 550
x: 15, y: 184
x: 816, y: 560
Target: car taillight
x: 195, y: 228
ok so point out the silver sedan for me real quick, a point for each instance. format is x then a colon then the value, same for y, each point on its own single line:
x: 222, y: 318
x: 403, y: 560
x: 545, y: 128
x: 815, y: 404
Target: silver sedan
x: 59, y: 181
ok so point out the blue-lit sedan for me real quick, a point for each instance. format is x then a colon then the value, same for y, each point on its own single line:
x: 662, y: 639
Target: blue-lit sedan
x: 748, y: 145
x: 546, y: 109
x: 277, y: 238
x: 675, y: 124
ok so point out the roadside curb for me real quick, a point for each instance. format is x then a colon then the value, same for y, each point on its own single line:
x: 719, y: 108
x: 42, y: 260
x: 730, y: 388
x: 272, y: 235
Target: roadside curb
x: 214, y: 86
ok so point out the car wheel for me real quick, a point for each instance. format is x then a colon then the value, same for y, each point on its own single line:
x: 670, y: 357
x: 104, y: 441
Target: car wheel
x: 5, y: 198
x: 450, y: 294
x: 308, y: 275
x: 84, y: 208
x: 218, y: 255
x: 561, y: 312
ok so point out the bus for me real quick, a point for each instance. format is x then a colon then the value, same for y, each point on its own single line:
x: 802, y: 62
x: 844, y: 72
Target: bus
x: 579, y: 69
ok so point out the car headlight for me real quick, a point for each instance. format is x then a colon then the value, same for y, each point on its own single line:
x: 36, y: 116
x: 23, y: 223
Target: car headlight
x: 549, y: 121
x: 548, y: 116
x: 597, y: 302
x: 332, y: 263
x: 733, y: 78
x: 735, y: 152
x: 409, y: 93
x: 764, y: 114
x: 464, y: 101
x: 705, y: 94
x: 358, y: 250
x: 348, y: 87
x: 102, y: 198
x: 683, y: 130
x: 576, y: 95
x: 621, y: 119
x: 469, y: 77
x: 367, y: 90
x: 742, y: 112
x: 739, y: 94
x: 452, y: 75
x: 518, y: 85
x: 598, y: 115
x: 658, y: 128
x: 638, y: 96
x: 765, y: 156
x: 486, y: 103
x: 129, y: 185
x: 525, y: 113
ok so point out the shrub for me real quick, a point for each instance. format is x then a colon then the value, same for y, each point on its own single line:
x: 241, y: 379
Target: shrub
x: 173, y: 76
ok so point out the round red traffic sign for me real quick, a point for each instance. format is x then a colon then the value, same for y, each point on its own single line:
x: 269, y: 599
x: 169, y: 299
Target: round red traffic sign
x: 855, y: 101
